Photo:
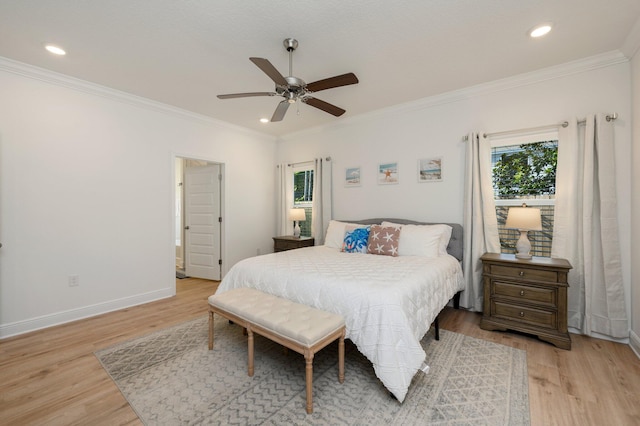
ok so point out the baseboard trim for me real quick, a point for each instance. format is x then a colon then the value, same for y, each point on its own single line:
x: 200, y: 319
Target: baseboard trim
x: 634, y: 342
x: 45, y: 321
x: 623, y: 340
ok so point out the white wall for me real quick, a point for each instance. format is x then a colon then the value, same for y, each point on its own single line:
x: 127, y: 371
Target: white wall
x: 434, y: 127
x: 86, y: 188
x: 635, y: 207
x: 86, y: 179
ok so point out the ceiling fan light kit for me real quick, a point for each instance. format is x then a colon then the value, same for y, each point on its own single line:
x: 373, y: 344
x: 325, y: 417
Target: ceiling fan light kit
x: 294, y: 89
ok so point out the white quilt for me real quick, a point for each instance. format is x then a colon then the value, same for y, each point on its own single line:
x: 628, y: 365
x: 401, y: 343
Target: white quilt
x: 388, y: 302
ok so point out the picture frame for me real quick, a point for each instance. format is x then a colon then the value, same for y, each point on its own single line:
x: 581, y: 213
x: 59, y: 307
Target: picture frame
x: 388, y: 173
x: 352, y: 177
x: 430, y: 169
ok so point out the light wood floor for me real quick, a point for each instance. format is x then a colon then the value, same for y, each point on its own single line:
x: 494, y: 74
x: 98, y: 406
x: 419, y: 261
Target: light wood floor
x: 52, y: 377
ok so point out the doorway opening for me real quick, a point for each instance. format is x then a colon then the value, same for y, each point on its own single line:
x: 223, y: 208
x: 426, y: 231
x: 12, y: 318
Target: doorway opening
x: 198, y: 218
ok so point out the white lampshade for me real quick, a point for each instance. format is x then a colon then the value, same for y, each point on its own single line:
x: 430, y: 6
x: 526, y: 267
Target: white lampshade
x: 524, y: 218
x: 297, y: 214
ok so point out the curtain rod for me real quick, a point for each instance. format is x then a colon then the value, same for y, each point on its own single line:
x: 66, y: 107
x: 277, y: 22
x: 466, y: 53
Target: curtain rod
x: 306, y: 162
x: 608, y: 117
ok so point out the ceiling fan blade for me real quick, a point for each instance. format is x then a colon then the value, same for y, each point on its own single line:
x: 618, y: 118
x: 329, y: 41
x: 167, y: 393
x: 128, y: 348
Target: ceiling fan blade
x: 269, y: 70
x: 280, y: 111
x: 331, y: 82
x: 246, y: 95
x: 325, y: 106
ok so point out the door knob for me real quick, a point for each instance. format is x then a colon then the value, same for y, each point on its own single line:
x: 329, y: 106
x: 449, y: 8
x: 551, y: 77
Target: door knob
x: 186, y: 227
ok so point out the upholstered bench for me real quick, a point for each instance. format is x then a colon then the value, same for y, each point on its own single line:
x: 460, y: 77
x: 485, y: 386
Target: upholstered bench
x: 301, y: 328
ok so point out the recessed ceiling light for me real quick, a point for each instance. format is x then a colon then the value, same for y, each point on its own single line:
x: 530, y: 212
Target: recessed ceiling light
x: 540, y: 30
x: 264, y: 120
x: 55, y: 49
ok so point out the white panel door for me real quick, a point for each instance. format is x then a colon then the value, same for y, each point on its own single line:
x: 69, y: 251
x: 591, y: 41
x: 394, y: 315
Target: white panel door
x: 202, y: 225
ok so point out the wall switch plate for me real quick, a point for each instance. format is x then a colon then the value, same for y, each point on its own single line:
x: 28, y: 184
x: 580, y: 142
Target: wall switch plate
x: 74, y: 280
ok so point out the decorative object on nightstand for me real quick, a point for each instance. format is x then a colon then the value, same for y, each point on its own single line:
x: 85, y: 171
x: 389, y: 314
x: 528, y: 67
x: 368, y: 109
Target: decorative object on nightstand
x: 526, y: 295
x: 297, y: 215
x: 524, y: 219
x: 289, y: 242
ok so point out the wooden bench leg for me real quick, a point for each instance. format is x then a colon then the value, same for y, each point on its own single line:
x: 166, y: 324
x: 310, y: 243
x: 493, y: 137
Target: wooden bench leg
x: 308, y: 356
x: 210, y: 330
x: 341, y: 358
x: 250, y: 340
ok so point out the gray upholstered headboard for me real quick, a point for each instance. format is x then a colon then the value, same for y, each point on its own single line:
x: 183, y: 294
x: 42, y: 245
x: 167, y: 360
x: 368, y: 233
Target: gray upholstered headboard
x: 455, y: 243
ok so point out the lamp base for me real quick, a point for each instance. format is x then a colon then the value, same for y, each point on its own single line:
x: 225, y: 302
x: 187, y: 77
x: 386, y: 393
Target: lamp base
x: 296, y: 230
x: 523, y: 246
x: 523, y: 256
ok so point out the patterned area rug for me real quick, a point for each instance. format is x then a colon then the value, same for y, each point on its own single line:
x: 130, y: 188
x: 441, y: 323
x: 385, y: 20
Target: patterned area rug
x: 171, y: 378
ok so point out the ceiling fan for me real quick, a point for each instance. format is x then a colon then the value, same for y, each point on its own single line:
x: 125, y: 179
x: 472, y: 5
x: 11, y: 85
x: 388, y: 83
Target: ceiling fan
x: 294, y: 89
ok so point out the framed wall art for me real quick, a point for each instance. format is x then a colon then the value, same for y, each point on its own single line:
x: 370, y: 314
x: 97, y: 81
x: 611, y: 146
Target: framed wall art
x: 352, y: 176
x: 430, y: 169
x: 388, y: 173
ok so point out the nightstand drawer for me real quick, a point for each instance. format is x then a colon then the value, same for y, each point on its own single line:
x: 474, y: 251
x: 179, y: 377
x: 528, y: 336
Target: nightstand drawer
x: 523, y: 273
x: 537, y: 295
x: 521, y: 314
x: 289, y: 243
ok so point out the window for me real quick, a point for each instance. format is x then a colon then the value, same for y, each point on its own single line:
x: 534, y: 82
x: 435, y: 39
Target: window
x: 524, y: 171
x: 303, y: 195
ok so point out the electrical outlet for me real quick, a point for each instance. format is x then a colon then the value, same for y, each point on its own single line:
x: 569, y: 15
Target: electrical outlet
x: 74, y: 280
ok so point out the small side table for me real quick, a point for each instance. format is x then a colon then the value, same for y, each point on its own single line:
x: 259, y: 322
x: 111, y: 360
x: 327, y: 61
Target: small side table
x: 526, y: 295
x: 289, y: 242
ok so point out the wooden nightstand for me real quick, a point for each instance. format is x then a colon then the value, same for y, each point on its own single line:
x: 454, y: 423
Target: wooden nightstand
x: 526, y: 295
x: 289, y: 242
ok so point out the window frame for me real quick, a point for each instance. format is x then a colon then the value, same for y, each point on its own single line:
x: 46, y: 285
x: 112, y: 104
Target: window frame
x: 305, y: 228
x: 517, y: 140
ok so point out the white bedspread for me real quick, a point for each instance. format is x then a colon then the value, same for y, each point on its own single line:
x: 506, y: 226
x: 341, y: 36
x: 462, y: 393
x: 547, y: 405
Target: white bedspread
x: 388, y: 302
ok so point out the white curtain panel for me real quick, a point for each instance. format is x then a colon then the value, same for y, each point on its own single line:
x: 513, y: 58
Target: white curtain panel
x: 480, y: 222
x: 321, y: 211
x: 586, y: 227
x: 284, y: 199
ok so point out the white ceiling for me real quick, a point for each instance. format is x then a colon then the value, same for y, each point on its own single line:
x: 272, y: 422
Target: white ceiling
x: 184, y: 53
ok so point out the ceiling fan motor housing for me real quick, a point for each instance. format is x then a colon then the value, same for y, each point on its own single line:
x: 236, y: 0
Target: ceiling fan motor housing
x: 295, y: 88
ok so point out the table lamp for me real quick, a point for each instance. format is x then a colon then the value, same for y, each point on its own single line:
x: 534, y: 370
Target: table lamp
x: 296, y: 215
x: 524, y: 219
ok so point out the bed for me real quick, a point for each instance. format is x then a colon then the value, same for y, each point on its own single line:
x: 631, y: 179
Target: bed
x: 388, y: 302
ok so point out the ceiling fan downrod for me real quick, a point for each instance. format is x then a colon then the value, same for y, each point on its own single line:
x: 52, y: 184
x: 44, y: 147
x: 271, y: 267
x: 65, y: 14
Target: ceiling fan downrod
x: 290, y: 44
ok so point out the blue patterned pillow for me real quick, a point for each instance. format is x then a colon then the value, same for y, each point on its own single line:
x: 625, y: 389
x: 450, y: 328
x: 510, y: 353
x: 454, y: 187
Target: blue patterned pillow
x: 355, y: 240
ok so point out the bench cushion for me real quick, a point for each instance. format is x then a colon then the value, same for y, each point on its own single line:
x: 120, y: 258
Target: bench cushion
x: 300, y: 323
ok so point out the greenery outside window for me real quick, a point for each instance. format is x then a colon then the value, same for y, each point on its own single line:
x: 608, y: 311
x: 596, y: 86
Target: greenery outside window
x: 303, y: 195
x: 524, y: 171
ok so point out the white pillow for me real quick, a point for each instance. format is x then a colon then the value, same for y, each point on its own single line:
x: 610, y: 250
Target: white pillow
x: 445, y: 237
x: 335, y: 233
x: 422, y: 240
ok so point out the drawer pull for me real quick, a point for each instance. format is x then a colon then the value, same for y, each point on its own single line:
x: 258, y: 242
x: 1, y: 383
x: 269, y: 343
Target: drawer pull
x: 521, y: 314
x: 521, y: 292
x: 521, y: 273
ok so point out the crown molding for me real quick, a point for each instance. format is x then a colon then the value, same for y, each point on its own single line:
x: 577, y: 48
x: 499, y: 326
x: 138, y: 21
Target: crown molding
x: 582, y: 65
x: 51, y: 77
x: 632, y: 42
x: 569, y: 68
